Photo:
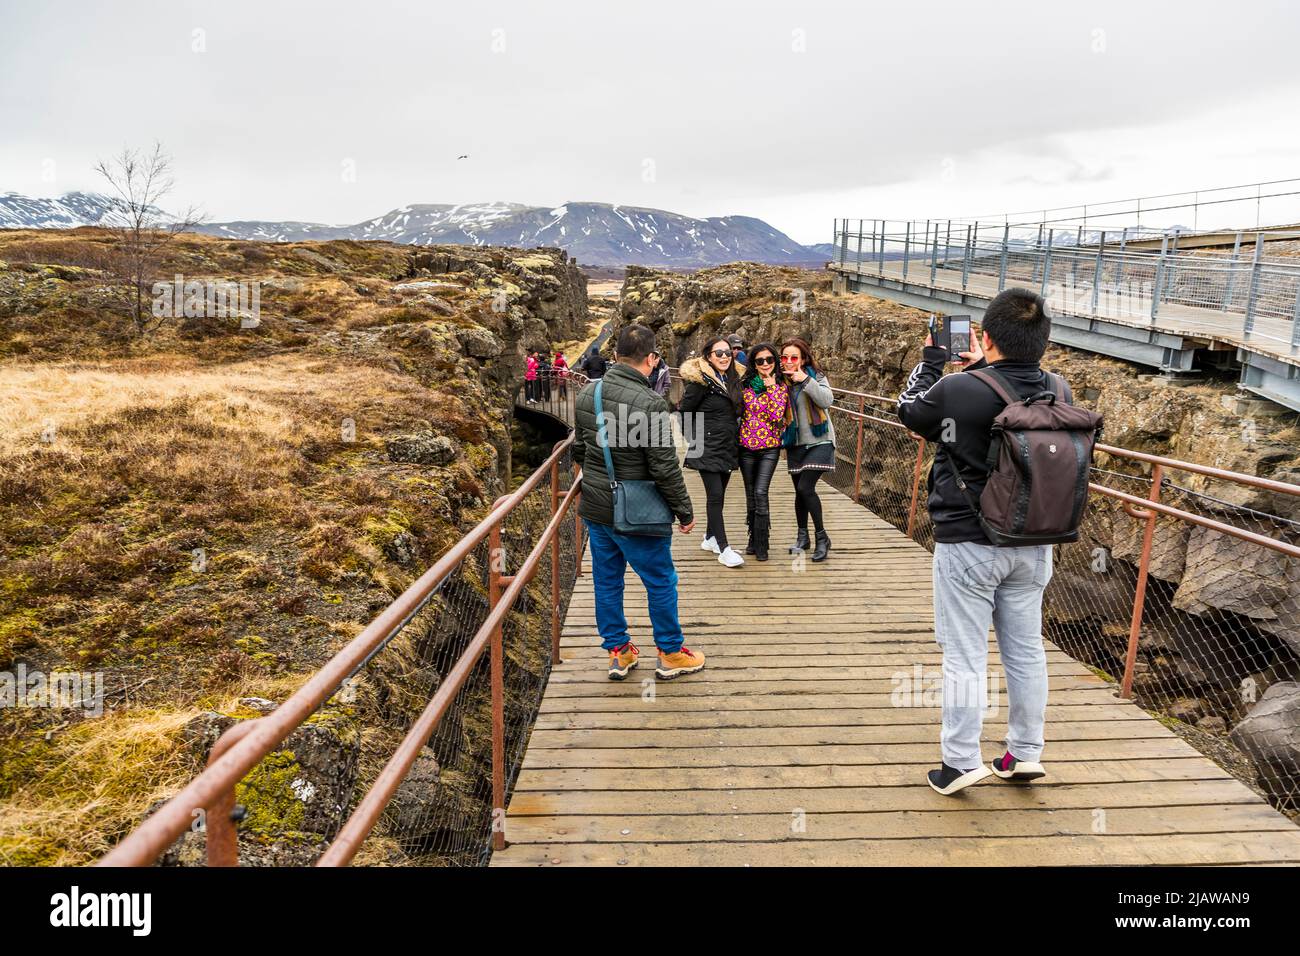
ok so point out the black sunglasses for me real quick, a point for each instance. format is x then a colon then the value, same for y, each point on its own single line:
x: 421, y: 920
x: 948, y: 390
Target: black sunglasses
x: 765, y: 360
x: 722, y: 353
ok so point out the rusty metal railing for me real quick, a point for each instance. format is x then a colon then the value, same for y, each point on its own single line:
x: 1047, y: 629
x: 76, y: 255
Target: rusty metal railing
x: 466, y: 605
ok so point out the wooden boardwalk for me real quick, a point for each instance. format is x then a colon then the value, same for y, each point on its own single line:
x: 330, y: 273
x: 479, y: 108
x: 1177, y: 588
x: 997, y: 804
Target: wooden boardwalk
x: 789, y: 747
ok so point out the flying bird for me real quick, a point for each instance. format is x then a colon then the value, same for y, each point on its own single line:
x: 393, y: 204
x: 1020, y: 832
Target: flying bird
x: 463, y: 156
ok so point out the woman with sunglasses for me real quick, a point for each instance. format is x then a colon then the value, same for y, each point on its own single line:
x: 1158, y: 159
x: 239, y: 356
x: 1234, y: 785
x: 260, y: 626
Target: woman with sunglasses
x: 712, y: 394
x: 765, y: 398
x: 809, y: 440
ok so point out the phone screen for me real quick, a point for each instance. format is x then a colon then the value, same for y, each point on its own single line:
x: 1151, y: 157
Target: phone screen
x: 959, y: 334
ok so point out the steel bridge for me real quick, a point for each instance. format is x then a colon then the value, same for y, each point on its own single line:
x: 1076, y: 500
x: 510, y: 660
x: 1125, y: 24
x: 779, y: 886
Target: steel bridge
x: 1170, y: 302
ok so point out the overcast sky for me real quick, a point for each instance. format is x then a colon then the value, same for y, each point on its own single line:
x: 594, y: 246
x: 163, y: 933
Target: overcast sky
x: 797, y: 113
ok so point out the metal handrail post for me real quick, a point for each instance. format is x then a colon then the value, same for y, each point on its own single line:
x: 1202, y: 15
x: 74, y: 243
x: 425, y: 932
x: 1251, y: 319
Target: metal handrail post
x: 907, y: 246
x: 965, y: 261
x: 1232, y: 272
x: 1119, y: 263
x: 934, y: 256
x: 1002, y: 269
x: 1295, y: 321
x: 1097, y: 271
x: 1140, y: 593
x: 916, y: 486
x: 1248, y: 326
x: 857, y: 458
x: 860, y: 228
x: 1160, y: 274
x: 1047, y: 264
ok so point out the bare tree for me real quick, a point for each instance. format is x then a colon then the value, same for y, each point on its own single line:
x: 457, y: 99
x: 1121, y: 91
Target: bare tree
x: 141, y: 181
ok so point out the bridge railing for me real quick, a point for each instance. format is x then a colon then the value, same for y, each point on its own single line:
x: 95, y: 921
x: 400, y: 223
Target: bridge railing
x: 553, y: 392
x: 1088, y: 272
x: 402, y: 747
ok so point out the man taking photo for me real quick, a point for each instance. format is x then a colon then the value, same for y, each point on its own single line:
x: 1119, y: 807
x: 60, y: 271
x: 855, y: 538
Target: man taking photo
x: 977, y: 583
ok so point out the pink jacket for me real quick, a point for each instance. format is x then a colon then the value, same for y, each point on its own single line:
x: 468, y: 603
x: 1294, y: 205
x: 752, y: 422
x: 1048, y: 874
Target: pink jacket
x: 530, y: 370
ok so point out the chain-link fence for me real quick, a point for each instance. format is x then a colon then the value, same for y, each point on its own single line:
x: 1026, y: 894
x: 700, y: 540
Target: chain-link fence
x: 402, y: 748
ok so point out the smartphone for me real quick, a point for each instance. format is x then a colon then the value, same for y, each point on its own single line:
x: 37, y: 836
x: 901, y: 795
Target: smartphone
x: 958, y: 335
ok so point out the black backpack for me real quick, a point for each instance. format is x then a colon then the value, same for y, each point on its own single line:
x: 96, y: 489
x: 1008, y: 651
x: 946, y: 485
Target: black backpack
x: 1038, y: 466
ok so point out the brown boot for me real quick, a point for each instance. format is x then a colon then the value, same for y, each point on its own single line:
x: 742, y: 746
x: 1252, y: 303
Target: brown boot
x: 685, y: 661
x: 622, y: 660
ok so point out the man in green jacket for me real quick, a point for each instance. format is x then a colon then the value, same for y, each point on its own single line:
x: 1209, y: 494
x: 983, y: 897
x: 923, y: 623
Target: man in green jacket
x: 641, y: 447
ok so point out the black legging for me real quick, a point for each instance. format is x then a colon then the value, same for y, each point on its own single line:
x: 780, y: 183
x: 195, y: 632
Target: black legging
x: 715, y: 487
x: 806, y: 501
x: 757, y: 468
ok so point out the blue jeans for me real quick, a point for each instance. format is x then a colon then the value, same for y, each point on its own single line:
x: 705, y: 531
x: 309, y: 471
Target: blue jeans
x: 976, y: 585
x: 652, y: 560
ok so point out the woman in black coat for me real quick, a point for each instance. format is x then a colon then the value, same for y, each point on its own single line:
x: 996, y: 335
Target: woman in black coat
x: 710, y: 408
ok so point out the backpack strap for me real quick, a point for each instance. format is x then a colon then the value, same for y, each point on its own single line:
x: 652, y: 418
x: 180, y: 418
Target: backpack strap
x: 1058, y: 385
x: 602, y: 438
x: 994, y: 380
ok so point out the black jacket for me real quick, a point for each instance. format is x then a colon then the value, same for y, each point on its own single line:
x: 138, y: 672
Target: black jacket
x: 958, y: 410
x: 653, y: 456
x: 705, y: 395
x: 594, y: 365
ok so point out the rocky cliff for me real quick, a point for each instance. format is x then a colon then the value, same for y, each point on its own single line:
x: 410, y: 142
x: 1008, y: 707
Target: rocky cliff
x: 204, y: 514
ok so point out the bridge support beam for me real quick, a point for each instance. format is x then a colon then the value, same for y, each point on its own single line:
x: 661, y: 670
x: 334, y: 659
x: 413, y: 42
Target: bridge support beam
x: 1269, y: 378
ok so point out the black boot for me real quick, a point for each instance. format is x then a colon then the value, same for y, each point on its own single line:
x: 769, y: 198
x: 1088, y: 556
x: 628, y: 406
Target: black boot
x: 760, y: 544
x: 801, y: 542
x: 749, y: 523
x: 823, y: 546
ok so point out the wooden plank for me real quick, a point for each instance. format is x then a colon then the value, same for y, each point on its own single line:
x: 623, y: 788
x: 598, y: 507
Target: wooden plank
x: 829, y: 755
x: 621, y: 719
x: 994, y: 795
x: 798, y: 823
x: 1090, y: 850
x: 705, y: 682
x: 636, y: 739
x: 708, y: 703
x: 868, y: 775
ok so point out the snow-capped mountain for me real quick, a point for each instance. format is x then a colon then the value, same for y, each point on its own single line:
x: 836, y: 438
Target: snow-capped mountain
x: 66, y: 212
x: 593, y: 233
x: 597, y: 234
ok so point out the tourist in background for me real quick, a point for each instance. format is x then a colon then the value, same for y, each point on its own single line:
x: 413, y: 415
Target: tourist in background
x: 530, y: 377
x: 738, y: 350
x: 809, y: 440
x: 562, y: 375
x: 711, y: 402
x: 544, y: 375
x: 764, y: 399
x: 660, y: 379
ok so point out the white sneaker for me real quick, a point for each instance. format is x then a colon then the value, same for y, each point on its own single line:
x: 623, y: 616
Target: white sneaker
x: 710, y: 544
x: 730, y: 558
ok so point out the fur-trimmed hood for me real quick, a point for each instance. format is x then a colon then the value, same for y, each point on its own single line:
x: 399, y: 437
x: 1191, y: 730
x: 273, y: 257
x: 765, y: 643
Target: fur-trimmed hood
x: 694, y: 370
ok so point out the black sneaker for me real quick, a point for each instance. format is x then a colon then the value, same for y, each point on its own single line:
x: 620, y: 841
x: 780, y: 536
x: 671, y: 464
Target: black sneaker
x: 948, y: 780
x: 1009, y: 768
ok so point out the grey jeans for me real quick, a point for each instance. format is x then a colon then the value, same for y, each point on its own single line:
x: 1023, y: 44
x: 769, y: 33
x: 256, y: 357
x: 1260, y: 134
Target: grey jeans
x: 976, y: 585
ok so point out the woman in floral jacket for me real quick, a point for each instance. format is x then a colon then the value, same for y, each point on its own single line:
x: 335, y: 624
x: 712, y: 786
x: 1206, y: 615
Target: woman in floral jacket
x: 765, y: 398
